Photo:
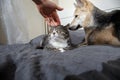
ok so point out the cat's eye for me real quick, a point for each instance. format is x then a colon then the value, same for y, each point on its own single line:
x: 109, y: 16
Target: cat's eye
x: 57, y: 31
x: 76, y: 16
x: 63, y: 33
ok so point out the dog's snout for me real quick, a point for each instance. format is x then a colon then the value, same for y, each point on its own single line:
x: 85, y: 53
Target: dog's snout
x: 79, y: 26
x: 75, y: 27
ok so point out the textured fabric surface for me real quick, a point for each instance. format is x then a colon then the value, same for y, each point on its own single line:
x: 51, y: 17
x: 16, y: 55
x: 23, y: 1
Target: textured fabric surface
x: 110, y: 71
x: 24, y: 62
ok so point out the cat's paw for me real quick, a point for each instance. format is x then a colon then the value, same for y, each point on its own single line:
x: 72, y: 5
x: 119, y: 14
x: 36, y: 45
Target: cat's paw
x: 61, y: 50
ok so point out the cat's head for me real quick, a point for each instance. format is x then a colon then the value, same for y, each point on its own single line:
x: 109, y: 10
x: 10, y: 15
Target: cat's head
x: 59, y: 32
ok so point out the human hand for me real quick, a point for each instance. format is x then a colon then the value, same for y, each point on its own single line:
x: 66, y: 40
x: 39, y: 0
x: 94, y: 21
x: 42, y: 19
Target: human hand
x: 48, y: 9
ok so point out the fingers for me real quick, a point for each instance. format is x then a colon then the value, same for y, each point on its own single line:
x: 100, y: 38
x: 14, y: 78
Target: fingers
x: 59, y: 8
x: 56, y: 17
x: 49, y: 13
x: 53, y: 19
x: 50, y: 22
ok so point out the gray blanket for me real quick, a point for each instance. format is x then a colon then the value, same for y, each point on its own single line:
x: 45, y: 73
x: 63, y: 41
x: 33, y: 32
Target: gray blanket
x: 24, y: 62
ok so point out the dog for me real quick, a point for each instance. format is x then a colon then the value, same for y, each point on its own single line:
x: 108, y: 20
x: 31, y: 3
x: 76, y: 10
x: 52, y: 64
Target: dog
x: 100, y: 27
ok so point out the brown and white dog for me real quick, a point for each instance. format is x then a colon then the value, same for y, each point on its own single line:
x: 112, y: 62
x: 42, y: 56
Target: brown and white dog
x: 100, y: 27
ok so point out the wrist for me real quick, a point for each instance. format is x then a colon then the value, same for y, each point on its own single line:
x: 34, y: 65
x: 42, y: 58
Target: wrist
x: 43, y: 1
x: 38, y: 1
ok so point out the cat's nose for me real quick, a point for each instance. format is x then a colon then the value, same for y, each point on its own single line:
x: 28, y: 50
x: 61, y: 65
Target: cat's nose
x: 53, y: 33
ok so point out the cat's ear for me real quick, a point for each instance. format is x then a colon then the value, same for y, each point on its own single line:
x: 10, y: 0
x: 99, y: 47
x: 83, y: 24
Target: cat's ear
x: 67, y: 26
x: 51, y: 27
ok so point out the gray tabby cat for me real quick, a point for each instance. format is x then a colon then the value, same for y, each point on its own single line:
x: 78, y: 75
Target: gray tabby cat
x: 58, y: 39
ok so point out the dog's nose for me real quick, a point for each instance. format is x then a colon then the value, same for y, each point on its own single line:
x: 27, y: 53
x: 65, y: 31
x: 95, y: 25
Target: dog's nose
x: 54, y: 33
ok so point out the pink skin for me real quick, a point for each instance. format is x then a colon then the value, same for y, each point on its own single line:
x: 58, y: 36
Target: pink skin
x: 48, y: 9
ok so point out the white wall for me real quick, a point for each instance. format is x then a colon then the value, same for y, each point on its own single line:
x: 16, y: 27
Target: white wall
x: 67, y: 14
x: 106, y: 4
x: 36, y: 24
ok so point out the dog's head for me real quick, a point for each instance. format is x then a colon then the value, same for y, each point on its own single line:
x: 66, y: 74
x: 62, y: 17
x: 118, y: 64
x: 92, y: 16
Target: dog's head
x: 82, y: 14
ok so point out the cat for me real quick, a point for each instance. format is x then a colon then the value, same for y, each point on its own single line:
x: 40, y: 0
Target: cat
x: 58, y: 39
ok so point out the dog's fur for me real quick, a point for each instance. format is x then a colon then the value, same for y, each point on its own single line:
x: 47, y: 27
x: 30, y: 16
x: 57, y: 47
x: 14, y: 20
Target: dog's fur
x: 100, y: 27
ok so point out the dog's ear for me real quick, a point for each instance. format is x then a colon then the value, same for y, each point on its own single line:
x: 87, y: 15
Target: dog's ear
x: 81, y: 3
x: 75, y: 5
x: 78, y: 1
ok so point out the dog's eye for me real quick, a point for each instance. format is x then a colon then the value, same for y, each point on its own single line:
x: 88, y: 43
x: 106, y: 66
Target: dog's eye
x: 76, y: 16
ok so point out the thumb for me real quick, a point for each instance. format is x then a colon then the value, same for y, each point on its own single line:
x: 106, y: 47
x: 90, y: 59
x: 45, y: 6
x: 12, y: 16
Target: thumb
x: 59, y: 8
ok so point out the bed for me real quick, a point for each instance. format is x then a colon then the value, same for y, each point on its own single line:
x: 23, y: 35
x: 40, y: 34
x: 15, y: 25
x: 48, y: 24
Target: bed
x: 24, y: 62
